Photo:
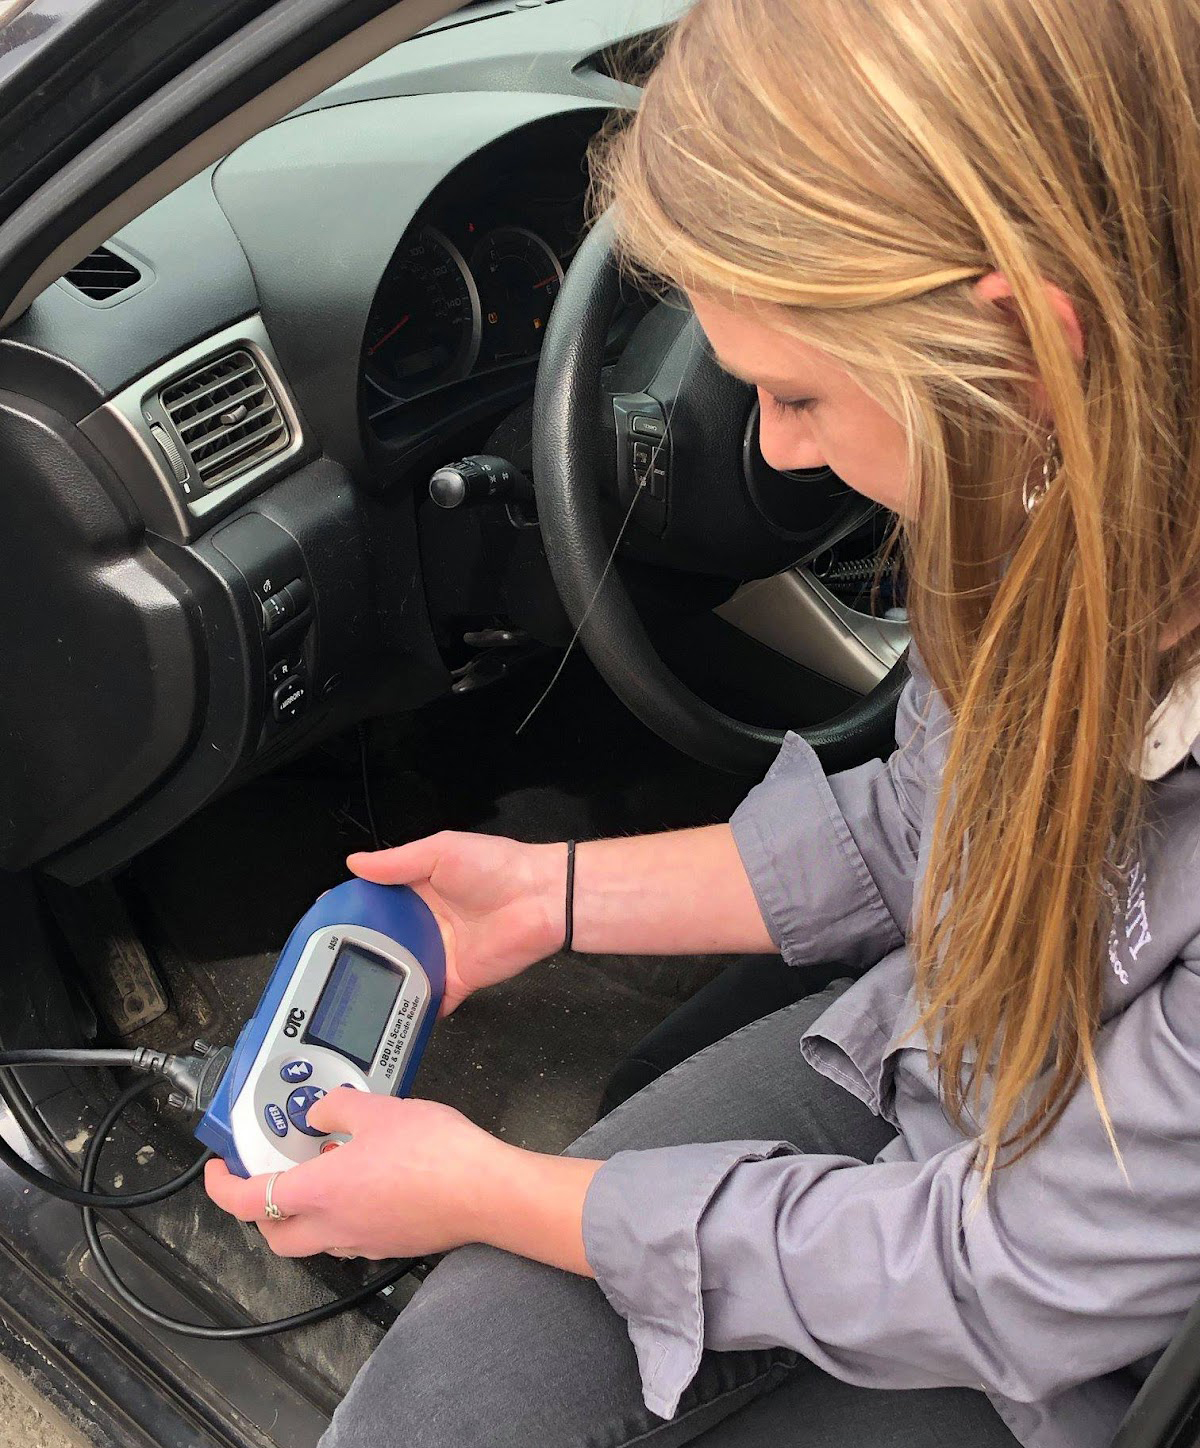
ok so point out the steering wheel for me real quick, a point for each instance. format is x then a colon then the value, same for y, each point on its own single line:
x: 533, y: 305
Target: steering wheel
x: 698, y: 497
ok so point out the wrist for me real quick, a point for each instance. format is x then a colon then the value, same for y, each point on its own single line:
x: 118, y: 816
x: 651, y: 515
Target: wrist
x: 531, y: 1204
x: 478, y: 1188
x: 547, y: 885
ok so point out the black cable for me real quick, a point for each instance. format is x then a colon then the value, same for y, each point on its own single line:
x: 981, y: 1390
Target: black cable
x: 54, y: 1188
x: 82, y: 1056
x: 91, y: 1162
x: 68, y: 1056
x: 88, y: 1199
x: 366, y: 787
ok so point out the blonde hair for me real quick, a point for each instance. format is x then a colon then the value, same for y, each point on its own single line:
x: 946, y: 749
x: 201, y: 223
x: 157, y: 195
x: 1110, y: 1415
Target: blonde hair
x: 851, y: 168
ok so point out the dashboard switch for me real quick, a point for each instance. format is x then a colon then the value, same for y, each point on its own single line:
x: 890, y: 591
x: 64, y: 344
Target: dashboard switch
x: 300, y: 594
x: 289, y: 699
x: 479, y: 478
x: 643, y: 458
x: 171, y: 452
x: 277, y: 610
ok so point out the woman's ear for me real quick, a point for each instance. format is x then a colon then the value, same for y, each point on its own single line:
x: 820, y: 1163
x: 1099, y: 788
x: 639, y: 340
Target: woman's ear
x: 995, y: 288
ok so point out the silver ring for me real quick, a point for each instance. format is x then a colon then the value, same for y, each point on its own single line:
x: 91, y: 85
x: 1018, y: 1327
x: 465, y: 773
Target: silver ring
x: 273, y: 1212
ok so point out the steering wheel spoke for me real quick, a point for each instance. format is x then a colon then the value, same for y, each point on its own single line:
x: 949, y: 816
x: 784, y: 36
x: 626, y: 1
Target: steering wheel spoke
x: 702, y: 516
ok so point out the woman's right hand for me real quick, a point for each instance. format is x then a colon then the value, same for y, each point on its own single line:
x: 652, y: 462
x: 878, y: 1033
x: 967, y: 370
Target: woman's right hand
x: 500, y: 904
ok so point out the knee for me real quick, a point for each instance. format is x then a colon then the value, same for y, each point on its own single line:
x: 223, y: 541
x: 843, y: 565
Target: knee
x: 631, y: 1076
x: 420, y: 1369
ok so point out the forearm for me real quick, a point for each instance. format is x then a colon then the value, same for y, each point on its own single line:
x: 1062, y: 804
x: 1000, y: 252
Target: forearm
x: 682, y: 893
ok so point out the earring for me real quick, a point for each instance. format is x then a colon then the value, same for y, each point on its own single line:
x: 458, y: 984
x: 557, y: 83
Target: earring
x: 1032, y: 494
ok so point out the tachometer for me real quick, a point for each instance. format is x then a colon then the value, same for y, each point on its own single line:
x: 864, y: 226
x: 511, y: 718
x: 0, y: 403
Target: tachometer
x: 518, y: 277
x: 423, y: 329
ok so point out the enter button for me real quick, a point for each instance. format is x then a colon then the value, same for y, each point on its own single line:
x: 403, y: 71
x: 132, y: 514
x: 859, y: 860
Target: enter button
x: 275, y: 1119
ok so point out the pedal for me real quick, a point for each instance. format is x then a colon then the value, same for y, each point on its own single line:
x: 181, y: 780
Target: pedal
x: 496, y: 638
x: 482, y: 671
x: 96, y: 926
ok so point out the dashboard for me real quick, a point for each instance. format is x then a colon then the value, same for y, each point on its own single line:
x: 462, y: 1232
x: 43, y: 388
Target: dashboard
x: 467, y: 293
x: 219, y: 548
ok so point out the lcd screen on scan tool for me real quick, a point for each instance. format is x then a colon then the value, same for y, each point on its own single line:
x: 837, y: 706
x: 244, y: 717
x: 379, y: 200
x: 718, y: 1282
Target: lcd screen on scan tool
x: 355, y: 1005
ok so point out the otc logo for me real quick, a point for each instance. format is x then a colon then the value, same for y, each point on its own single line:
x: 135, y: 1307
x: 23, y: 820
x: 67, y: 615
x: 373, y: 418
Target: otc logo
x: 294, y: 1021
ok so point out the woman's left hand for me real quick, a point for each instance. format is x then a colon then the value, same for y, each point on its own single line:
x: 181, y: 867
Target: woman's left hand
x: 406, y: 1185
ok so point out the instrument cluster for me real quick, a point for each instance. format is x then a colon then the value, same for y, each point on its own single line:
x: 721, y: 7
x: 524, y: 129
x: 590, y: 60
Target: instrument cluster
x: 469, y: 291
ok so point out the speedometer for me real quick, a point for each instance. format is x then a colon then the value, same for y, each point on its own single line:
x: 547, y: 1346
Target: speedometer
x: 423, y: 329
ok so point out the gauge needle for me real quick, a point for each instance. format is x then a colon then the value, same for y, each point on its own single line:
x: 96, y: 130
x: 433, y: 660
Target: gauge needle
x: 545, y: 281
x: 372, y: 350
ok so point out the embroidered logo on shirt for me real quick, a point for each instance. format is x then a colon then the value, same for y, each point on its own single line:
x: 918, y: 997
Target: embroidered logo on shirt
x: 1130, y: 921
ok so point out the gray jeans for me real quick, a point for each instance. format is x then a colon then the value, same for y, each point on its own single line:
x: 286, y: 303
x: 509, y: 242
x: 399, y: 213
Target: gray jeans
x: 500, y: 1352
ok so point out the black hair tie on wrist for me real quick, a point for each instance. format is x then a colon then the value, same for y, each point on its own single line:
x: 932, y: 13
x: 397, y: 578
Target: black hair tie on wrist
x: 570, y: 902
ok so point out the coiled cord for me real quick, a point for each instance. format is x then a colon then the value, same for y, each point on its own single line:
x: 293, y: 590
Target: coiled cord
x: 86, y: 1197
x: 91, y: 1162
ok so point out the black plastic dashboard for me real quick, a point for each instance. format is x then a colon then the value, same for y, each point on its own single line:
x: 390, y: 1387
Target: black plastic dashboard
x: 372, y: 274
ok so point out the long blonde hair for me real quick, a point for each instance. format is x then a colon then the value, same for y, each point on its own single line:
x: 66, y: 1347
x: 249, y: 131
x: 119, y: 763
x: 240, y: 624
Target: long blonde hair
x: 853, y: 167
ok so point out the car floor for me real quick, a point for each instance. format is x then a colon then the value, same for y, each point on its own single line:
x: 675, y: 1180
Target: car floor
x: 216, y: 901
x: 528, y: 1060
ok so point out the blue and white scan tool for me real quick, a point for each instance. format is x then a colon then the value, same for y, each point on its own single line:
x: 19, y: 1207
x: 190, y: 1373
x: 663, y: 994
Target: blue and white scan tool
x: 351, y: 1002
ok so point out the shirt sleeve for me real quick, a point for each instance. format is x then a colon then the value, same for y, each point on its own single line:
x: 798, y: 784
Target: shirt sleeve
x: 897, y: 1274
x: 832, y: 860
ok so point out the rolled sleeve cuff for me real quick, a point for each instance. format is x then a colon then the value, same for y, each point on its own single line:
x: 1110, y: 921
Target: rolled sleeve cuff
x: 641, y: 1219
x: 818, y: 898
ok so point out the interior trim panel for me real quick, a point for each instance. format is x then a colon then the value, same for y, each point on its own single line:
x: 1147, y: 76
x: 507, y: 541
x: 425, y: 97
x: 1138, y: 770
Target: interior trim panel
x: 797, y: 616
x: 134, y: 433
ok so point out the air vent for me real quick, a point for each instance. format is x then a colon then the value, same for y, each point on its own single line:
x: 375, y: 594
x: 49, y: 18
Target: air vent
x: 103, y: 275
x: 227, y: 417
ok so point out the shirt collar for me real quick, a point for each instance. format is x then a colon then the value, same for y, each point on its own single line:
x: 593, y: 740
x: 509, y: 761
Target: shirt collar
x: 1173, y: 731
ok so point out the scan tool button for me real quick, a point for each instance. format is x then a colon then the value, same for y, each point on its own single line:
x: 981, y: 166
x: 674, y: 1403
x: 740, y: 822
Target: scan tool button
x: 298, y: 1104
x: 275, y: 1118
x: 296, y: 1071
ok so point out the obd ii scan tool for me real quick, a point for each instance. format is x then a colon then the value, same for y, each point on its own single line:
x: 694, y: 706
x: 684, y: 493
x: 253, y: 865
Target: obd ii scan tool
x: 351, y: 1002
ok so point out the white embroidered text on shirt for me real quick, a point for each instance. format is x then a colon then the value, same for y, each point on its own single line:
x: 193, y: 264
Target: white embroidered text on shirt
x: 1130, y: 921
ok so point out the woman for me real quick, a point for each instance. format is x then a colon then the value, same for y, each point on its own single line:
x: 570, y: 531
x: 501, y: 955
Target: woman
x: 956, y: 246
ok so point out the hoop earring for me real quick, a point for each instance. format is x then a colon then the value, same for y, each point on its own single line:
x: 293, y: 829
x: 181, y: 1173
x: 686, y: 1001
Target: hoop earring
x: 1032, y: 494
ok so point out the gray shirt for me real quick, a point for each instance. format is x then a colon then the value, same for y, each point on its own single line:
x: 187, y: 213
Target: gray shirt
x: 892, y: 1273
